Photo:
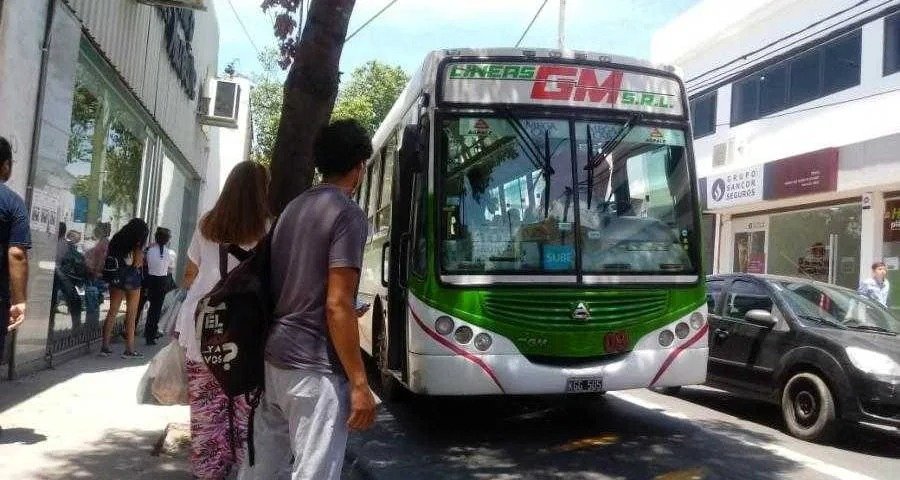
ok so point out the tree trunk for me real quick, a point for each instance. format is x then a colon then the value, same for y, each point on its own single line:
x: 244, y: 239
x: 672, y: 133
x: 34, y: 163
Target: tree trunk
x: 309, y: 94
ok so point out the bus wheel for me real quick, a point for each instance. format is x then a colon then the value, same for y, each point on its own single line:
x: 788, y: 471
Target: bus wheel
x: 391, y: 389
x: 808, y: 408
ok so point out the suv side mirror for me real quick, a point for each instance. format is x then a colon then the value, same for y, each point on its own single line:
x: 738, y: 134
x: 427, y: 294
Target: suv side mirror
x: 762, y: 318
x: 409, y: 148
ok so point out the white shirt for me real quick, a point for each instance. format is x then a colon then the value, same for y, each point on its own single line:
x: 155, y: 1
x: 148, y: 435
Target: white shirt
x: 204, y: 254
x: 870, y: 288
x: 159, y: 264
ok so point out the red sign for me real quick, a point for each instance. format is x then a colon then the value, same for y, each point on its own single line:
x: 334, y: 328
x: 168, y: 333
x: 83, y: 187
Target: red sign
x: 573, y: 83
x: 813, y: 172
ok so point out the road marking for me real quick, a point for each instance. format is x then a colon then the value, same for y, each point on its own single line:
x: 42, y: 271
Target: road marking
x: 807, y: 461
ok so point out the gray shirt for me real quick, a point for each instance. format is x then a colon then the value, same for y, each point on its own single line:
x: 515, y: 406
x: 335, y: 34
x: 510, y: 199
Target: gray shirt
x: 321, y: 229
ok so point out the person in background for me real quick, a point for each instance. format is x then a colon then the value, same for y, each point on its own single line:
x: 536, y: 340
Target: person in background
x: 316, y: 389
x: 61, y: 248
x: 877, y: 287
x: 239, y: 217
x: 15, y: 240
x: 122, y: 271
x: 160, y: 260
x: 95, y: 258
x: 70, y: 274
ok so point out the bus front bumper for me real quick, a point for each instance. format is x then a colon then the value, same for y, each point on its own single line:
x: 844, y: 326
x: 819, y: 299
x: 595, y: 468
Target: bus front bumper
x: 438, y: 366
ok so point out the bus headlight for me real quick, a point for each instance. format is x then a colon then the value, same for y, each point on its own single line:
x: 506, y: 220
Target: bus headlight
x: 483, y: 341
x: 666, y: 337
x: 682, y: 330
x: 444, y: 325
x: 697, y: 320
x: 463, y: 334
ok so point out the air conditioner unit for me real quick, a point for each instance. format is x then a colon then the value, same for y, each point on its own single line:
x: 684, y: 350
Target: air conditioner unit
x: 192, y: 4
x: 219, y: 103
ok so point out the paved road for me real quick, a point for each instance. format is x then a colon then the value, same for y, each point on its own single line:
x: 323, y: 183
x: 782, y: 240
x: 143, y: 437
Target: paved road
x: 700, y: 434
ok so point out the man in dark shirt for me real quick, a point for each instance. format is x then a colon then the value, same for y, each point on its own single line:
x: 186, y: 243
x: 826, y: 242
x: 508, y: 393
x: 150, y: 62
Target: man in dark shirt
x: 316, y: 385
x: 15, y: 240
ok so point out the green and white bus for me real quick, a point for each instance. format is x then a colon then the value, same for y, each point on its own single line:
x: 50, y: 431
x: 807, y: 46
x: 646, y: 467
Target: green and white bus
x: 534, y: 228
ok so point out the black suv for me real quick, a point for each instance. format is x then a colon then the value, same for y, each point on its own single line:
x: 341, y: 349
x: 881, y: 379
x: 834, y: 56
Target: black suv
x: 825, y: 354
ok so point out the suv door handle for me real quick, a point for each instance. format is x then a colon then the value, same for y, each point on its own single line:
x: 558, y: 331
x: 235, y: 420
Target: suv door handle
x: 721, y: 334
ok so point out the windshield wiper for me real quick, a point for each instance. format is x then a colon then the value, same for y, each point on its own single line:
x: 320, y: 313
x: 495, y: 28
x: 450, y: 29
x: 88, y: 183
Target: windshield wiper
x: 872, y: 328
x: 594, y: 161
x: 823, y: 320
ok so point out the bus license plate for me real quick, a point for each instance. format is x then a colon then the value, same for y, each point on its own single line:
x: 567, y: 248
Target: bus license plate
x: 584, y: 385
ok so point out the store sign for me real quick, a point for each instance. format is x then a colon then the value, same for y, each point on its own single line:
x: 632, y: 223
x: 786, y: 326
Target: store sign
x: 554, y: 84
x: 179, y: 34
x: 735, y: 188
x: 892, y: 221
x: 814, y: 172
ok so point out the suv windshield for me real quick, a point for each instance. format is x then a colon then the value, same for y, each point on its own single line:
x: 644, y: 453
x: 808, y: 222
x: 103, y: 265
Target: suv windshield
x: 513, y: 204
x: 838, y: 305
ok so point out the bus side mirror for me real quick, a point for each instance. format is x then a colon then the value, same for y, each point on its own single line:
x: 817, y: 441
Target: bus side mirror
x: 410, y: 153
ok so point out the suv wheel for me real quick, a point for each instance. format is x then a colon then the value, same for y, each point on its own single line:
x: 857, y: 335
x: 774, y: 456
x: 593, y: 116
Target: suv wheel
x: 808, y: 408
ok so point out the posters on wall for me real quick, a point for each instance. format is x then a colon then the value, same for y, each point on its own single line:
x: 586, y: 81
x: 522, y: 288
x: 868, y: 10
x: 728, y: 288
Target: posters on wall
x: 44, y: 212
x: 750, y: 252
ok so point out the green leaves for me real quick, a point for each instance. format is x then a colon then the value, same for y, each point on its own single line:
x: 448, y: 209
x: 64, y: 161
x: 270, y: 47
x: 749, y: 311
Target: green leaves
x: 370, y: 93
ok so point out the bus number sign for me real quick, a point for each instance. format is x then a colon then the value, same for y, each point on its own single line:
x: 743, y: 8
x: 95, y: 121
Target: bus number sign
x: 616, y: 342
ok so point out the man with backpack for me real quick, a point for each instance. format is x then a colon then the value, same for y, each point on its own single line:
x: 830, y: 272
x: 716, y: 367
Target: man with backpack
x: 316, y: 389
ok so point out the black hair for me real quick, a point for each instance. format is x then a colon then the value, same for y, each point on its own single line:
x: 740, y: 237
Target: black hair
x: 341, y: 146
x: 162, y: 237
x: 132, y: 235
x: 5, y: 151
x: 877, y: 265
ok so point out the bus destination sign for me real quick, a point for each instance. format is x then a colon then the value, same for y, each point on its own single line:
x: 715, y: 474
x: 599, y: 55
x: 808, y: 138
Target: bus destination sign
x: 553, y: 84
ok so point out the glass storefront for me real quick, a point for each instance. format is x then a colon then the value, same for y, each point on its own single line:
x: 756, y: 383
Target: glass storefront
x: 891, y: 250
x: 115, y: 167
x: 822, y: 244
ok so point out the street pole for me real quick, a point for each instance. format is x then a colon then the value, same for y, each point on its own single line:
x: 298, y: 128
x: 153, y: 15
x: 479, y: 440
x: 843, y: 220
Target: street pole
x: 562, y: 25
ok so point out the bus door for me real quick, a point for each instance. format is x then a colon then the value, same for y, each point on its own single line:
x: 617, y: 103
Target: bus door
x: 406, y: 178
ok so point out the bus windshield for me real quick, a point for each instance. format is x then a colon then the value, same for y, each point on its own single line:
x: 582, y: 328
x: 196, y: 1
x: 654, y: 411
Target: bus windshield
x: 512, y: 202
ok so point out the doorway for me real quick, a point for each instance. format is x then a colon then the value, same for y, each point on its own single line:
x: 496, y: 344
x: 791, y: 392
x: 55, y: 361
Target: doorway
x: 750, y: 245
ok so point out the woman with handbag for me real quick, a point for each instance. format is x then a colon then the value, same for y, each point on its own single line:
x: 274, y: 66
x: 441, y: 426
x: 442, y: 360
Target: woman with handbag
x: 160, y: 261
x: 239, y: 217
x: 122, y: 271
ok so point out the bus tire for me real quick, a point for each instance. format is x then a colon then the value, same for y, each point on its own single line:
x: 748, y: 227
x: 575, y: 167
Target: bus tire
x: 808, y: 408
x: 391, y: 389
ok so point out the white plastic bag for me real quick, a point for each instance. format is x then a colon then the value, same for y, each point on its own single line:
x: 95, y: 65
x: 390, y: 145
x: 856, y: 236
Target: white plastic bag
x: 170, y: 308
x: 165, y: 381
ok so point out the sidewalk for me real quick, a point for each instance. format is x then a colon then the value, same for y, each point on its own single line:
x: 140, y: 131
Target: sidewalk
x: 81, y: 420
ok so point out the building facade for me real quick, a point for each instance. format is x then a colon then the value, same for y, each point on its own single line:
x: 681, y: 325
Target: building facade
x: 100, y: 102
x: 797, y: 138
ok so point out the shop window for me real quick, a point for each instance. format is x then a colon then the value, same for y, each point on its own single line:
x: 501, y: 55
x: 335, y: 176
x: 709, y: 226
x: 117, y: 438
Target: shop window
x: 892, y: 44
x: 821, y: 244
x: 703, y: 115
x: 842, y: 63
x: 805, y: 84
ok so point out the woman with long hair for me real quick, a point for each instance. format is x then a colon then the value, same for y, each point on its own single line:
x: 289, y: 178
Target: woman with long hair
x: 160, y: 261
x: 122, y: 271
x: 240, y: 217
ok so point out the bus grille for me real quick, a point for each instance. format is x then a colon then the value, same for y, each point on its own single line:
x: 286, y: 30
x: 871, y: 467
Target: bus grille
x: 548, y: 310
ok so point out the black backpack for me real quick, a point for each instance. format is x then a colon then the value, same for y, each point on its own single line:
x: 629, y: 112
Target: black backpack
x: 233, y: 322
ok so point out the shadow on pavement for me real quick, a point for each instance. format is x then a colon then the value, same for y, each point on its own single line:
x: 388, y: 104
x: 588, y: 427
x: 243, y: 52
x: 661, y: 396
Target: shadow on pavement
x: 120, y: 455
x: 852, y: 438
x: 24, y: 436
x: 535, y: 438
x: 14, y: 392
